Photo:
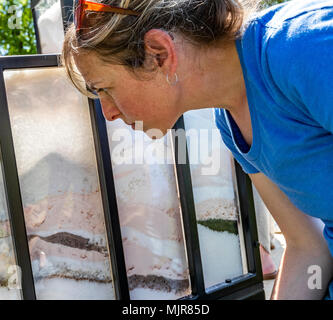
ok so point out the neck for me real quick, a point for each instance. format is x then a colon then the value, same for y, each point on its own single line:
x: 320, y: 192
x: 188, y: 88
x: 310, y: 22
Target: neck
x: 217, y: 82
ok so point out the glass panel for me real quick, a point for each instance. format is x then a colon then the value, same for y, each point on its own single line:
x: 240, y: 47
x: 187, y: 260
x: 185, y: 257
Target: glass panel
x: 50, y: 25
x: 149, y: 214
x: 8, y: 289
x: 215, y: 199
x: 60, y: 189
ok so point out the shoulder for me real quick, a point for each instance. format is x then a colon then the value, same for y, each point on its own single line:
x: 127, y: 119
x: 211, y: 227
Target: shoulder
x: 291, y: 21
x: 292, y: 42
x: 298, y: 25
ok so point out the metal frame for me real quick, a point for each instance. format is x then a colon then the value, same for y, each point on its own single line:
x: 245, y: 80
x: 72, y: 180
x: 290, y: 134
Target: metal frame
x: 109, y: 198
x: 13, y: 193
x: 33, y: 4
x: 247, y: 286
x: 66, y: 12
x: 13, y: 198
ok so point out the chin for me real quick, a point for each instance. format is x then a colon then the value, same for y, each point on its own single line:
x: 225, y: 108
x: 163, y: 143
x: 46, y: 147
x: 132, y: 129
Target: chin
x: 155, y: 134
x: 152, y: 131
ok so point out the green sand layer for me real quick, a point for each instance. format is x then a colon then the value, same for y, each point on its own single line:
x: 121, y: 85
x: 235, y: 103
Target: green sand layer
x: 220, y: 225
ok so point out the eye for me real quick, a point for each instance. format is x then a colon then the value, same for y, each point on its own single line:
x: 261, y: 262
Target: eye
x: 93, y: 91
x: 105, y: 90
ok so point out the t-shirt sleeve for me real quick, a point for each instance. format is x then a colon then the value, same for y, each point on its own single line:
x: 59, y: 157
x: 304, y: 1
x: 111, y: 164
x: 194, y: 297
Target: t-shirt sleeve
x: 228, y: 141
x: 300, y: 61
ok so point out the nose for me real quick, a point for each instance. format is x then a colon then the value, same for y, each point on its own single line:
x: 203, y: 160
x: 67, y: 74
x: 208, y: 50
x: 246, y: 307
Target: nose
x: 110, y: 111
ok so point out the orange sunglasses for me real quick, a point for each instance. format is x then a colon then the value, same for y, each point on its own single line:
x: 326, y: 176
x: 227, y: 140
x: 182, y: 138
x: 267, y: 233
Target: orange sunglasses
x: 81, y: 6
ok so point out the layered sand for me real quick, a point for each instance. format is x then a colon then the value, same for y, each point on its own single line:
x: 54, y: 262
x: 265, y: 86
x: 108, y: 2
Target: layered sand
x: 64, y: 214
x: 59, y: 185
x: 215, y: 200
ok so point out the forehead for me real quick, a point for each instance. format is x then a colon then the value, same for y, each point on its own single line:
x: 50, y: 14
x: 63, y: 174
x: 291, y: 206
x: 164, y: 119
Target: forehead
x: 93, y: 69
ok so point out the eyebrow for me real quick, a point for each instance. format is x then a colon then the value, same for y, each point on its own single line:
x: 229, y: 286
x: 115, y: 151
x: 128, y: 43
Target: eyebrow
x: 92, y: 85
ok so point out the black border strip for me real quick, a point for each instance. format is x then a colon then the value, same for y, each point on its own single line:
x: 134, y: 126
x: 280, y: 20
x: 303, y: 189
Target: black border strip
x: 112, y: 222
x: 232, y: 287
x: 13, y: 197
x: 29, y: 61
x: 67, y: 12
x: 33, y: 4
x: 184, y: 182
x: 248, y: 221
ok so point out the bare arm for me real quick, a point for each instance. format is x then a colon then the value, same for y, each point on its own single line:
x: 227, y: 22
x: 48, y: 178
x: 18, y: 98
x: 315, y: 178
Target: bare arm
x: 305, y: 245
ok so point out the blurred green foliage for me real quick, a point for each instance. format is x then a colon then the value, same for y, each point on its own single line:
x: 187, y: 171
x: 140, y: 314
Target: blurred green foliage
x: 17, y: 35
x: 268, y: 3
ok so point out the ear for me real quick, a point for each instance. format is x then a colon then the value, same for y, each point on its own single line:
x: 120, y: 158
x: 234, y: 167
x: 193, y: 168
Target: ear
x: 160, y: 47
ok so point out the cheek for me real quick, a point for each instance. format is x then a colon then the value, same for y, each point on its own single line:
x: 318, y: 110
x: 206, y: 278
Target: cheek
x: 143, y: 100
x: 138, y: 106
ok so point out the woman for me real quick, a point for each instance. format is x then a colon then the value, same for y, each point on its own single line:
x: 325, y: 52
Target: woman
x: 269, y: 79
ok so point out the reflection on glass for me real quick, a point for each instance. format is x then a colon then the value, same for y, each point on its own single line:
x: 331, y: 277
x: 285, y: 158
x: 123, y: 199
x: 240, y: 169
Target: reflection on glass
x: 50, y: 25
x: 59, y: 185
x: 149, y: 214
x: 214, y: 197
x: 7, y: 255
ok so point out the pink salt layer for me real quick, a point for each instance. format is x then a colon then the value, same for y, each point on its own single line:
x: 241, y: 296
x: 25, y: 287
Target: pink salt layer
x: 80, y: 214
x: 151, y: 220
x: 49, y: 259
x: 147, y: 200
x: 83, y: 215
x: 153, y: 186
x: 74, y: 213
x: 148, y: 256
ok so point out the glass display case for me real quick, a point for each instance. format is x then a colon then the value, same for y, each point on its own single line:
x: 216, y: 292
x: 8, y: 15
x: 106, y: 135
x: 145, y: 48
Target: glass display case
x: 217, y: 213
x: 47, y: 126
x: 108, y: 216
x: 101, y: 210
x: 215, y: 199
x: 59, y: 185
x: 149, y: 213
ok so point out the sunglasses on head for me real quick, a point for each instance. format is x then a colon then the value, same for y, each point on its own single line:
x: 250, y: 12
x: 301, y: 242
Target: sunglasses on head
x: 81, y: 6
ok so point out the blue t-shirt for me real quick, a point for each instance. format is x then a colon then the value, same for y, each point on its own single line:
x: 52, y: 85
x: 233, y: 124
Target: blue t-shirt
x: 286, y: 53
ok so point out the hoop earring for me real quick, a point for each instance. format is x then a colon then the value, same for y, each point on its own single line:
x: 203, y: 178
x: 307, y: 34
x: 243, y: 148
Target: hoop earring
x: 175, y: 80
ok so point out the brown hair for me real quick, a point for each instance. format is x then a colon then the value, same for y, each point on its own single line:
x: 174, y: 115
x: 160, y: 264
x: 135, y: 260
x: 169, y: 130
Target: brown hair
x: 119, y: 38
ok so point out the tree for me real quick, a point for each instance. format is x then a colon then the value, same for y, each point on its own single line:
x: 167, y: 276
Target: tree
x: 17, y: 35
